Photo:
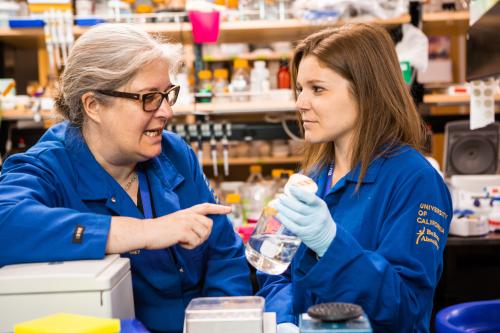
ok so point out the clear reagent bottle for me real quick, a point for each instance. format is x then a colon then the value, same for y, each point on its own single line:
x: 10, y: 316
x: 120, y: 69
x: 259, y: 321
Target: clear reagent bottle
x: 272, y: 246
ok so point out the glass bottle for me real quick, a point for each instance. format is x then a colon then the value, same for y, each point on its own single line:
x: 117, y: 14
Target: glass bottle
x: 279, y: 179
x: 240, y: 81
x: 256, y: 194
x: 248, y: 9
x: 272, y: 246
x: 275, y: 178
x: 284, y: 176
x: 283, y: 75
x: 236, y: 215
x: 220, y: 81
x: 204, y: 94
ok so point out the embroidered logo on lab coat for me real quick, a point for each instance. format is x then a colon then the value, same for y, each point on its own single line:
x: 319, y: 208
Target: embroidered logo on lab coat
x: 431, y: 217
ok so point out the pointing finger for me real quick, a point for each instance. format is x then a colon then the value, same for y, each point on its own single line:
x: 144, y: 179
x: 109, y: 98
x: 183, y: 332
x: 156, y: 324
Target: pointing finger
x: 209, y: 208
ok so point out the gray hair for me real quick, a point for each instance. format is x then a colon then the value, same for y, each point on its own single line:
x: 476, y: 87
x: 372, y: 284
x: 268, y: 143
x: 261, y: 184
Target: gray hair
x: 106, y: 57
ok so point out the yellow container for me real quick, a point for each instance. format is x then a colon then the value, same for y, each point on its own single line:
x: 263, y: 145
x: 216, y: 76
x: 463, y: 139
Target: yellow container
x: 205, y: 74
x: 69, y: 323
x: 44, y: 7
x: 276, y: 173
x: 144, y: 9
x: 240, y: 63
x: 233, y: 198
x: 221, y: 73
x: 255, y: 168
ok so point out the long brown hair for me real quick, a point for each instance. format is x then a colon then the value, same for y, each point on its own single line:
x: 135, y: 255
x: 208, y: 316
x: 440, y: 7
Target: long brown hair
x: 364, y: 55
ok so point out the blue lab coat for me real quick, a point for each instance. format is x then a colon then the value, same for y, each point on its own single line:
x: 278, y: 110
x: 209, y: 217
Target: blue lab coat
x: 387, y: 254
x: 58, y: 185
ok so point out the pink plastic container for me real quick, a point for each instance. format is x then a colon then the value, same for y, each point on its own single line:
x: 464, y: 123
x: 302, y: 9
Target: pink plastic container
x: 205, y: 26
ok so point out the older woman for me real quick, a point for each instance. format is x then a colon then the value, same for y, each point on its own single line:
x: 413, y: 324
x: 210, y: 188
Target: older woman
x: 111, y: 180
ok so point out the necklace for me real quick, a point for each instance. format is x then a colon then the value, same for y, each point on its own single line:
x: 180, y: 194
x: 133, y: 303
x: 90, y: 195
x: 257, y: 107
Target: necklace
x: 130, y: 182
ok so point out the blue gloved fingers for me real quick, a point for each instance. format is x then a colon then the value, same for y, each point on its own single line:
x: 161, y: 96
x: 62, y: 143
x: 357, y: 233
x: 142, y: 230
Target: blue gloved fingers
x: 303, y: 195
x: 291, y: 225
x: 295, y: 204
x: 318, y: 230
x: 291, y: 214
x: 311, y: 200
x: 323, y: 240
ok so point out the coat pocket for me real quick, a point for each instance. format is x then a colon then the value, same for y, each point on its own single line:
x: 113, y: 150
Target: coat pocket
x: 192, y: 265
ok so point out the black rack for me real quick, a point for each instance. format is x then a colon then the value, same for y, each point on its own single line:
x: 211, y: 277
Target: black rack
x: 206, y: 130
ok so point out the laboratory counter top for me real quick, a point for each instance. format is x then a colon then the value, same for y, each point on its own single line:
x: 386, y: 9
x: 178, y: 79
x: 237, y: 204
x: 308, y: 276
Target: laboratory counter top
x: 492, y: 238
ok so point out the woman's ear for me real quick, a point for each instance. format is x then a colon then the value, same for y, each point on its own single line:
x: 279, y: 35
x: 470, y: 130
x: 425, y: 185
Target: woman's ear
x: 91, y: 106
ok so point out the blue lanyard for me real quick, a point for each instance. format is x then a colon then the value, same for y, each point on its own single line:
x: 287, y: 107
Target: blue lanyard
x: 144, y: 192
x: 328, y: 180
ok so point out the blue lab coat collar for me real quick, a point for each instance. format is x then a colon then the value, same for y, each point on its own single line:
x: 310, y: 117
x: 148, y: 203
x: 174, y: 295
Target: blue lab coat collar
x: 374, y: 167
x: 370, y: 176
x: 352, y: 176
x: 160, y: 170
x: 371, y: 172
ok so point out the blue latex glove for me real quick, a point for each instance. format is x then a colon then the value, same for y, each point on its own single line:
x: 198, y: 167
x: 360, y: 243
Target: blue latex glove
x: 308, y: 217
x: 287, y: 328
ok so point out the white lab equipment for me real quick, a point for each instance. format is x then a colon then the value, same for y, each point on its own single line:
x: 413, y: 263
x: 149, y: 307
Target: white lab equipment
x: 242, y: 314
x: 469, y: 226
x: 494, y: 217
x: 472, y: 197
x: 101, y: 288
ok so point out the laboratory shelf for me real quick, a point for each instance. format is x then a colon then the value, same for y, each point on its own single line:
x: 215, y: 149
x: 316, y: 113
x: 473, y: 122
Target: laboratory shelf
x: 265, y: 106
x: 264, y: 30
x: 256, y: 160
x: 25, y: 114
x: 444, y: 99
x: 445, y: 23
x: 241, y: 108
x: 228, y: 108
x: 252, y: 31
x: 250, y: 56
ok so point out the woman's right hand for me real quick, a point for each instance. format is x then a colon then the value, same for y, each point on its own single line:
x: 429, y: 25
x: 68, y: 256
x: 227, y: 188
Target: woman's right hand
x: 188, y: 227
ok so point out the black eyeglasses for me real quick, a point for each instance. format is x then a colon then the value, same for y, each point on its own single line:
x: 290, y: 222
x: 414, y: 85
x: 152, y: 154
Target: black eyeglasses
x: 150, y: 101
